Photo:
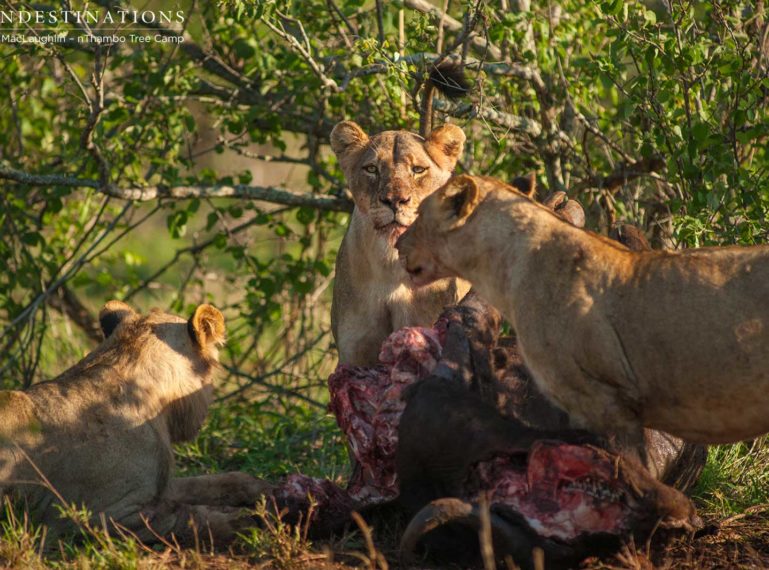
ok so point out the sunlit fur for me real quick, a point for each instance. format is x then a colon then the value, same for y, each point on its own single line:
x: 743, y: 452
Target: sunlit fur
x: 389, y: 174
x: 101, y: 433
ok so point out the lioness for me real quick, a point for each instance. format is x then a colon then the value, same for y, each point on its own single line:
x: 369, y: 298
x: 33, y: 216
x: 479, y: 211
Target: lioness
x: 389, y: 175
x: 101, y: 434
x: 698, y: 363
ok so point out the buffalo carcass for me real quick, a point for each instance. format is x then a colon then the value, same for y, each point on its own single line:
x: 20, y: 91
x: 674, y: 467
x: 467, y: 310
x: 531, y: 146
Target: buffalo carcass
x: 476, y: 425
x: 477, y: 429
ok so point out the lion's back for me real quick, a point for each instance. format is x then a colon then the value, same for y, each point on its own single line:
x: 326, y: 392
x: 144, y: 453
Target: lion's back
x: 18, y: 420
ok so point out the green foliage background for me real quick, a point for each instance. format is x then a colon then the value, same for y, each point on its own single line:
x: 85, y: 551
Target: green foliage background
x: 648, y: 112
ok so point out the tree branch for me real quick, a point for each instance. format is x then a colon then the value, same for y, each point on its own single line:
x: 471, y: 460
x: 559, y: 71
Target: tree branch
x: 621, y: 175
x: 453, y: 25
x: 146, y: 193
x: 503, y: 69
x: 506, y: 120
x: 67, y: 303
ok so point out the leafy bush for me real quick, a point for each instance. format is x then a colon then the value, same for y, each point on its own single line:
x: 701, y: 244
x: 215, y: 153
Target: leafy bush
x: 134, y: 170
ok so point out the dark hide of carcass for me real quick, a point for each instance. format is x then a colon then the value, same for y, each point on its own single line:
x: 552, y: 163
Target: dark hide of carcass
x: 478, y: 428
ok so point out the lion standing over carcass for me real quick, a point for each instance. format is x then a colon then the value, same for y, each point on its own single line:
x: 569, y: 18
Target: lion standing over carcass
x: 100, y: 435
x: 675, y: 341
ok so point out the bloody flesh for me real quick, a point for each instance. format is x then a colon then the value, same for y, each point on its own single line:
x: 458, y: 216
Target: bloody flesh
x: 368, y: 403
x: 562, y: 491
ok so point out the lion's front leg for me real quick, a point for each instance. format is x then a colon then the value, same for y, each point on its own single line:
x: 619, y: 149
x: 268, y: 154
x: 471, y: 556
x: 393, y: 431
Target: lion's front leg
x: 359, y: 336
x: 189, y: 525
x: 233, y: 489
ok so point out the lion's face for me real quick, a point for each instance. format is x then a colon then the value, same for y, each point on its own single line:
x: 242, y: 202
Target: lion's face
x: 440, y: 231
x: 391, y: 173
x: 438, y: 226
x: 164, y: 360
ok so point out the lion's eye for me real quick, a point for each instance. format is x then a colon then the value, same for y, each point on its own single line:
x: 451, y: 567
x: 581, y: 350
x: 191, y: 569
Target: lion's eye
x: 371, y: 169
x: 418, y: 169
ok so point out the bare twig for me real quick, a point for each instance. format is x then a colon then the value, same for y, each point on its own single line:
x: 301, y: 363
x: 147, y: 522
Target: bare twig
x: 350, y: 28
x: 302, y: 48
x: 380, y: 21
x: 444, y: 12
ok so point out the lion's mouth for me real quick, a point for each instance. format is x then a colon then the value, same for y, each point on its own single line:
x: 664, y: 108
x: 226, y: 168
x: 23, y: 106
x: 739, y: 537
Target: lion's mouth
x: 393, y: 230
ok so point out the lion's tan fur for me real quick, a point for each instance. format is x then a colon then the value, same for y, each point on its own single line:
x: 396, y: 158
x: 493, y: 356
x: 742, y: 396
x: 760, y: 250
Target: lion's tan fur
x: 102, y: 432
x: 372, y: 293
x: 673, y: 341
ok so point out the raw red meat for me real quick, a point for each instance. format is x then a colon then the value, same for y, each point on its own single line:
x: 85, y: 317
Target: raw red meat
x: 368, y: 403
x: 331, y: 504
x: 565, y: 490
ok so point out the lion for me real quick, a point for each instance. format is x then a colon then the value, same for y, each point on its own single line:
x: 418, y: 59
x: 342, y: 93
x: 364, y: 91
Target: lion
x: 389, y: 174
x: 620, y: 339
x: 100, y: 435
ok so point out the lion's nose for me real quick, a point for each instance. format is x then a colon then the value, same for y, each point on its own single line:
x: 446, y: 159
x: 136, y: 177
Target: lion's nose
x: 394, y: 201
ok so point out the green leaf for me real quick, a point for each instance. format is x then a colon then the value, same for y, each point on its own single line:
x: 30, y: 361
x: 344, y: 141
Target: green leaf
x: 31, y: 238
x: 305, y: 216
x: 700, y: 133
x: 211, y: 220
x: 177, y: 224
x: 650, y: 17
x: 243, y: 48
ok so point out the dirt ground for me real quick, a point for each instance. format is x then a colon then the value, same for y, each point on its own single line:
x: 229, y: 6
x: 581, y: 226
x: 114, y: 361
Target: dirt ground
x: 741, y: 541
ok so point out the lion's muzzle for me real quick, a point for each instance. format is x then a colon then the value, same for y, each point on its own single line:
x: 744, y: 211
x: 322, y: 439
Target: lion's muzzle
x: 403, y: 247
x: 419, y: 272
x: 396, y: 201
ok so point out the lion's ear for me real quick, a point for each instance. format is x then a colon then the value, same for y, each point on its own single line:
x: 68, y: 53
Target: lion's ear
x: 112, y: 314
x: 569, y: 210
x: 573, y: 213
x: 462, y: 195
x: 346, y: 137
x: 444, y: 145
x: 631, y: 237
x: 526, y: 184
x: 206, y: 326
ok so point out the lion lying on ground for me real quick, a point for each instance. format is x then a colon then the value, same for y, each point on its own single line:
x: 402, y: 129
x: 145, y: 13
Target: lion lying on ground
x: 389, y: 175
x: 101, y: 434
x: 619, y: 339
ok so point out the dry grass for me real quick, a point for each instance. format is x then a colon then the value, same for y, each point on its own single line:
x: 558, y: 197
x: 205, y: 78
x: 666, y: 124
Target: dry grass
x: 731, y: 498
x: 740, y: 541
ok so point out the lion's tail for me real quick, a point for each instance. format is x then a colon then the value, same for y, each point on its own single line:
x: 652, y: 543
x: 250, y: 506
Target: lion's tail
x: 448, y: 77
